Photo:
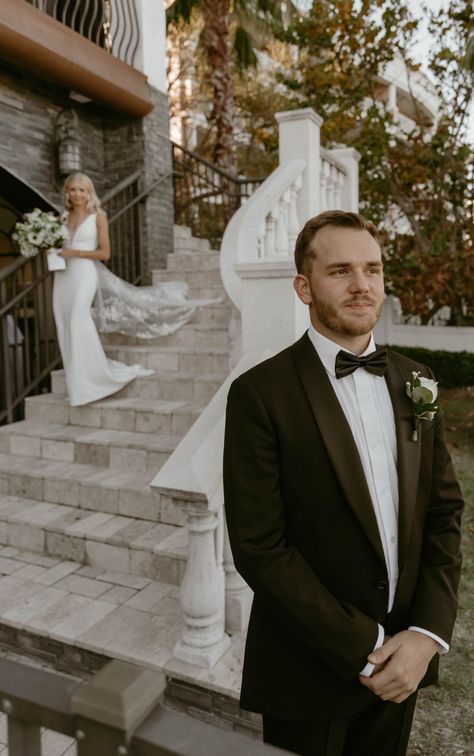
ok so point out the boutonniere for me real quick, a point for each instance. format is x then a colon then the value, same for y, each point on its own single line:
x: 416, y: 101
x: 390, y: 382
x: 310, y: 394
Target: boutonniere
x: 423, y: 393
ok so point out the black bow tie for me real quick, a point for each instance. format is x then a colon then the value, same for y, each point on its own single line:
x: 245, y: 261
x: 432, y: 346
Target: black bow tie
x: 375, y: 362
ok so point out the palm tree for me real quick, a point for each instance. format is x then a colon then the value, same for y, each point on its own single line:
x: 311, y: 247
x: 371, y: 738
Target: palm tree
x: 232, y: 30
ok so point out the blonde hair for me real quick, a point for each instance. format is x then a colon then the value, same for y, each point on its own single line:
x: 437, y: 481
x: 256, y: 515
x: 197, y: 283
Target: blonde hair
x: 93, y: 202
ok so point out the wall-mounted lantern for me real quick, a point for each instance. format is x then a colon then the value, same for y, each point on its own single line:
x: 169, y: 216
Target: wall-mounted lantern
x: 67, y: 141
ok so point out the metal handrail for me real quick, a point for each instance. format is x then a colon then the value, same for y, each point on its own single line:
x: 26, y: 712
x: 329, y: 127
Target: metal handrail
x: 205, y: 195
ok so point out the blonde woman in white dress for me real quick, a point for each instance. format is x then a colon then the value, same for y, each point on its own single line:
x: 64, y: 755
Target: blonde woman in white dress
x: 89, y: 374
x: 141, y: 311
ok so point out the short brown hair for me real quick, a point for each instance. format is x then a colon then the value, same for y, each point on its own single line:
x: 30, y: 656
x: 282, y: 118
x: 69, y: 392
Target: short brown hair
x: 304, y: 254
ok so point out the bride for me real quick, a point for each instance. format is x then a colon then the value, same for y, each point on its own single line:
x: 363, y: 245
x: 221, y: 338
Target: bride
x: 142, y: 311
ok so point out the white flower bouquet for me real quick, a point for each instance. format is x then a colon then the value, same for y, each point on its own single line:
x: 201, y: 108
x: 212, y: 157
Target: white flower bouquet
x: 42, y: 231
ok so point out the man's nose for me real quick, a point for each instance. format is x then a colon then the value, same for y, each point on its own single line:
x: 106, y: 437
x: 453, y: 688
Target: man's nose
x: 358, y: 281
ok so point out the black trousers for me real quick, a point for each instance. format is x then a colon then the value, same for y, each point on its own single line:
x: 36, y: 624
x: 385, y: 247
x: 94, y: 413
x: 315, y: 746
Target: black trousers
x: 380, y: 729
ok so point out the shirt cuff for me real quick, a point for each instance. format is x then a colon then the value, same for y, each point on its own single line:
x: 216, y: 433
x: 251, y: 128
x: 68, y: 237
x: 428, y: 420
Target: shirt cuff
x: 369, y: 668
x: 443, y: 647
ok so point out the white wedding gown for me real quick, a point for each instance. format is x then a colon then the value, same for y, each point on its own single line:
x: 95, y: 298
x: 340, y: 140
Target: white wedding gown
x: 89, y: 374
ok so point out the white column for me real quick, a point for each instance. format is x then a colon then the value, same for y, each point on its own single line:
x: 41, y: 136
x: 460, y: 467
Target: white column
x: 151, y: 51
x: 202, y: 593
x: 349, y: 157
x: 299, y: 135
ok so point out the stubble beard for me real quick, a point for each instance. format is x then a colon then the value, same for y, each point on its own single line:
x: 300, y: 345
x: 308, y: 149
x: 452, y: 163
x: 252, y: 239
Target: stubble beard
x: 336, y: 321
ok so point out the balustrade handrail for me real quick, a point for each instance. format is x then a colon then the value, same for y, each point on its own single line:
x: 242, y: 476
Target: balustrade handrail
x: 230, y: 176
x: 240, y: 241
x: 326, y: 155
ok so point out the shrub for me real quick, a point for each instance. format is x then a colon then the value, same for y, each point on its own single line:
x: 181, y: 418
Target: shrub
x: 451, y: 369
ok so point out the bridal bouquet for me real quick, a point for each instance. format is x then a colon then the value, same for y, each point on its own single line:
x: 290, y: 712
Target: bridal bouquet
x: 41, y: 231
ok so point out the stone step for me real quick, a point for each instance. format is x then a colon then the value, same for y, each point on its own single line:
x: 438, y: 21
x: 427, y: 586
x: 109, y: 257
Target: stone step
x: 181, y: 232
x: 213, y: 314
x: 191, y: 277
x: 193, y: 244
x: 100, y: 540
x: 115, y: 614
x: 202, y: 335
x: 167, y: 386
x: 136, y: 415
x: 177, y: 359
x: 198, y: 334
x: 119, y: 450
x: 183, y: 260
x: 87, y: 487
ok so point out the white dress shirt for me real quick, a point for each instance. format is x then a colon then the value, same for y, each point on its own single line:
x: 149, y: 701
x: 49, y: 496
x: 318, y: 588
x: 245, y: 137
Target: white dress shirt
x: 366, y: 403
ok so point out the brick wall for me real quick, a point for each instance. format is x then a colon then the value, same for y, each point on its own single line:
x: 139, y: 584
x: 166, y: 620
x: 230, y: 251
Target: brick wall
x: 112, y: 147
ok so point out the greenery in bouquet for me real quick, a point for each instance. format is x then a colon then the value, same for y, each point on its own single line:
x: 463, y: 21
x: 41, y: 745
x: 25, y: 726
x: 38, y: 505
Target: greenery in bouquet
x: 40, y: 230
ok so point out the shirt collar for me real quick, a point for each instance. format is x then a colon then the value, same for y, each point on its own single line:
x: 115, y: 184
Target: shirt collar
x: 327, y: 350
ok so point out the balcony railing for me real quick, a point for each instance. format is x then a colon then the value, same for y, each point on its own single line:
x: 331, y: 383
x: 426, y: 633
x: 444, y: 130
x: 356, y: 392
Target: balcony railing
x: 87, y: 17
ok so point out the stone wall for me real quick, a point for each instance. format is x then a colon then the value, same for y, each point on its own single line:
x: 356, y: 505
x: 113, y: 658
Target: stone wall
x: 112, y: 147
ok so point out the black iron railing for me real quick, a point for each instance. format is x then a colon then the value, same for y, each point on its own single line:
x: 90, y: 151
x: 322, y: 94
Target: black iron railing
x: 206, y: 197
x: 28, y: 345
x: 124, y: 207
x: 87, y: 17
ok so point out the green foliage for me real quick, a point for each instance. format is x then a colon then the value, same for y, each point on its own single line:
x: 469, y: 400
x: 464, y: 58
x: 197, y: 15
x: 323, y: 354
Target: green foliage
x: 452, y: 369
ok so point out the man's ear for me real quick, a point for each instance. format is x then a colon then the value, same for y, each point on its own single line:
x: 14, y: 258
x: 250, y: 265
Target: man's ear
x: 301, y: 286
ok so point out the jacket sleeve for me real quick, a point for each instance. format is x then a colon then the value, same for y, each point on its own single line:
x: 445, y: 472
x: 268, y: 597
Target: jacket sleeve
x: 435, y: 601
x: 281, y: 578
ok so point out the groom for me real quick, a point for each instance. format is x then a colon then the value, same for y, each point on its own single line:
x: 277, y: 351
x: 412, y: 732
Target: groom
x: 346, y: 529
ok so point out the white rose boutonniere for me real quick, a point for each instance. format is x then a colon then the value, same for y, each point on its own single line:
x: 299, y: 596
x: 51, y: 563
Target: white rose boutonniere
x: 423, y: 392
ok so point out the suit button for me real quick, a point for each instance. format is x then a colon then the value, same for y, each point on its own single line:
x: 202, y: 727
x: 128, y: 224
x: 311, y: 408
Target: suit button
x: 381, y: 585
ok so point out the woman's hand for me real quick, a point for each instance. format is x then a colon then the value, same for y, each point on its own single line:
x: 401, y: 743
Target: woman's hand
x: 66, y: 252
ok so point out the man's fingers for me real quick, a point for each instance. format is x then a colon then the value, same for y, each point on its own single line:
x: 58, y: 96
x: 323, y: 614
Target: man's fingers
x: 383, y: 653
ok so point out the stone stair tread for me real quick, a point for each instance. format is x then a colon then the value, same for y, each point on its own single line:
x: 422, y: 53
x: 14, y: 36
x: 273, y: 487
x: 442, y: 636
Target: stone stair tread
x: 123, y: 616
x: 135, y: 403
x: 95, y: 526
x: 158, y: 374
x: 74, y: 471
x: 59, y: 432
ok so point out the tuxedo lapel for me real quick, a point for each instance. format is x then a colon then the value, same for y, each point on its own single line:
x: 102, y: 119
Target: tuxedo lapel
x: 408, y: 453
x: 337, y: 437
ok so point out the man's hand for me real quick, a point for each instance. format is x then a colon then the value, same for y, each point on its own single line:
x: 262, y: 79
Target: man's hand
x: 404, y: 659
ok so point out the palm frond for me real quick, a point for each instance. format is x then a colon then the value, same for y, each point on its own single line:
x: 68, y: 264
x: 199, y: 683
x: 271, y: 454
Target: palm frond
x: 180, y: 10
x: 243, y: 51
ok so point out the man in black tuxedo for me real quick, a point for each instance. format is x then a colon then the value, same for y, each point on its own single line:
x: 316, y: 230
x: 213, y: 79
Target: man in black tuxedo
x: 346, y: 528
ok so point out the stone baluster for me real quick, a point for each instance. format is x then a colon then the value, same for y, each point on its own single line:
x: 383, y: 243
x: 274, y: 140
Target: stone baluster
x: 293, y: 222
x: 323, y: 185
x: 203, y: 639
x: 339, y: 189
x: 281, y: 237
x: 270, y: 235
x: 238, y: 596
x: 332, y: 181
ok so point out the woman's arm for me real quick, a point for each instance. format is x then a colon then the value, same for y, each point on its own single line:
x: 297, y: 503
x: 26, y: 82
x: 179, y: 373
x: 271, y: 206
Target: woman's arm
x: 103, y: 243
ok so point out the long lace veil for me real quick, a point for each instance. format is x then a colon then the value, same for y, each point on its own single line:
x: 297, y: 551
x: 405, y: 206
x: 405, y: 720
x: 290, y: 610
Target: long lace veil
x: 142, y: 311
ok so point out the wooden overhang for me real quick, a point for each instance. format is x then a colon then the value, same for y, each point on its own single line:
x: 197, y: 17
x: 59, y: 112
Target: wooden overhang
x: 47, y: 48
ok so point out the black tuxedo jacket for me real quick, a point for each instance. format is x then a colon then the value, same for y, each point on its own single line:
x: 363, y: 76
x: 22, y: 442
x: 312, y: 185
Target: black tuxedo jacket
x: 304, y: 535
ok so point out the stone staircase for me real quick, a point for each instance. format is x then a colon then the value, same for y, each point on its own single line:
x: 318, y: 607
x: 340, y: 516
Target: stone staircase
x: 90, y: 555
